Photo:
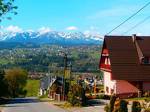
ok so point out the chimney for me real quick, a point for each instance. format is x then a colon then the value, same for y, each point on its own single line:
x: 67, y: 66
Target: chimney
x: 134, y: 38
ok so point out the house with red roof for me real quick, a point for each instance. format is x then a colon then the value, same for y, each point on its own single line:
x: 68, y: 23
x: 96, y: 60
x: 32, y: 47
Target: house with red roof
x: 125, y: 62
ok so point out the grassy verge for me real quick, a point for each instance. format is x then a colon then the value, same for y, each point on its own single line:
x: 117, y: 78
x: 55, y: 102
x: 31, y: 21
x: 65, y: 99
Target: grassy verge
x: 138, y: 99
x: 64, y: 105
x: 32, y: 88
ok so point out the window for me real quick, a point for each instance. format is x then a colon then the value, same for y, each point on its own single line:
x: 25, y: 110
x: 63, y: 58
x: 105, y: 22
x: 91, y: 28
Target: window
x: 145, y: 60
x: 112, y: 91
x: 107, y: 89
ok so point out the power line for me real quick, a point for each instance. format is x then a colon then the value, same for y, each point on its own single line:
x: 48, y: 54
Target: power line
x: 128, y: 18
x: 136, y: 25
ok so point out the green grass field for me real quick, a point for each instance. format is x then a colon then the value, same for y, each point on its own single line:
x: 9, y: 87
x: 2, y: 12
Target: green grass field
x: 4, y: 61
x: 32, y: 87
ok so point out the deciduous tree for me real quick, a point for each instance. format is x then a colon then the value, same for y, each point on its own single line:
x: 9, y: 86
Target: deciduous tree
x: 76, y: 95
x: 7, y: 6
x: 16, y: 79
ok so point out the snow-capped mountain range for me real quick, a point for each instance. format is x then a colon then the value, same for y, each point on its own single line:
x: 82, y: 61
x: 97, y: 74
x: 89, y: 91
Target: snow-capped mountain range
x: 51, y: 37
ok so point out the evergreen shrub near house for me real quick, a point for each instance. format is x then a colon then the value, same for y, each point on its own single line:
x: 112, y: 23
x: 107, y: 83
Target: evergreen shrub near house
x: 116, y: 105
x: 112, y: 102
x: 136, y: 106
x: 110, y: 107
x: 123, y: 106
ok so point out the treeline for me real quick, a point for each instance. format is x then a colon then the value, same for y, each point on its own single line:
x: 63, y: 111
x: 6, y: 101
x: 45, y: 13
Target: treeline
x: 11, y: 45
x: 12, y: 82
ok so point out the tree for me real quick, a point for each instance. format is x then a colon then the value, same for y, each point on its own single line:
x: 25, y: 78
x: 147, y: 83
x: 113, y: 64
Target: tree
x: 136, y: 106
x: 112, y: 102
x: 110, y: 107
x: 16, y: 79
x: 3, y: 85
x: 76, y: 95
x: 123, y: 106
x: 7, y: 6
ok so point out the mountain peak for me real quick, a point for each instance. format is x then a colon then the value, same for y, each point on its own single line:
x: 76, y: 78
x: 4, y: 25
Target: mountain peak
x: 51, y: 37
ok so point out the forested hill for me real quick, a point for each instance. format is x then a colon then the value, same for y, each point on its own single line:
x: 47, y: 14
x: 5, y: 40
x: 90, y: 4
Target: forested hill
x: 46, y: 58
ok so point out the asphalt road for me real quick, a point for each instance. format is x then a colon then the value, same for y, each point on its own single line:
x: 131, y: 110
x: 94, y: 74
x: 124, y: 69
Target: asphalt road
x: 30, y: 105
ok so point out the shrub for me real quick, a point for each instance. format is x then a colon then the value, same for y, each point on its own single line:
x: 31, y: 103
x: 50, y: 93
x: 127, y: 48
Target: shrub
x: 147, y: 110
x: 146, y: 94
x: 116, y: 105
x: 136, y: 107
x: 76, y: 95
x: 107, y: 108
x: 123, y: 106
x: 112, y: 102
x: 146, y: 105
x: 102, y: 96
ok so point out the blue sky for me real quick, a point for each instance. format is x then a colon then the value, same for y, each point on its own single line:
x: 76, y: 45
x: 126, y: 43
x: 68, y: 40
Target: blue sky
x: 98, y: 16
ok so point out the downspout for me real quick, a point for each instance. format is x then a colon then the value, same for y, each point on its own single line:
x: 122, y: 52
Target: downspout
x: 140, y: 54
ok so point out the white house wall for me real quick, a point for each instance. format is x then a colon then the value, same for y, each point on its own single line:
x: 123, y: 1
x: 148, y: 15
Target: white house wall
x: 111, y: 84
x: 119, y: 86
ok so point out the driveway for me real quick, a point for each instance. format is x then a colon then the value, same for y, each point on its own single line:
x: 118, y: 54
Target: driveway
x: 30, y: 105
x: 34, y: 105
x: 95, y: 105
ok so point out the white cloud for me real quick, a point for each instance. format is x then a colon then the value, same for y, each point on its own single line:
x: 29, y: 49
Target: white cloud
x: 72, y: 28
x: 139, y: 34
x: 13, y: 29
x: 1, y: 33
x: 44, y: 30
x: 93, y: 31
x: 1, y: 27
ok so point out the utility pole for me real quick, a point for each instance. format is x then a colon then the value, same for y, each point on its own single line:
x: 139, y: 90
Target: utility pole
x: 65, y: 68
x: 66, y: 75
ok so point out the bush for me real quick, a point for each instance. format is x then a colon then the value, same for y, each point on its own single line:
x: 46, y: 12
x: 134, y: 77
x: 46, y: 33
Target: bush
x: 136, y: 107
x: 107, y: 108
x: 76, y: 95
x: 147, y: 110
x: 146, y: 94
x: 112, y: 102
x: 102, y: 96
x: 116, y: 105
x: 123, y: 106
x: 146, y: 105
x: 110, y: 107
